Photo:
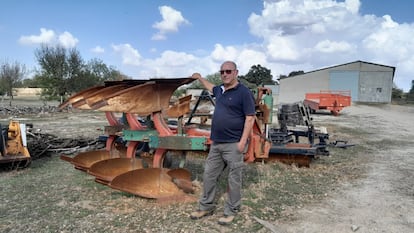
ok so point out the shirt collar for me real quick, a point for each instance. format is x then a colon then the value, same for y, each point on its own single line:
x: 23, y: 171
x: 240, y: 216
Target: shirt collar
x: 235, y: 87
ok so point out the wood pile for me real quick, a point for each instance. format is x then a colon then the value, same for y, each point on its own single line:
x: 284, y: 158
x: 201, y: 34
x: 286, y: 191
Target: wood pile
x: 26, y: 110
x: 45, y: 145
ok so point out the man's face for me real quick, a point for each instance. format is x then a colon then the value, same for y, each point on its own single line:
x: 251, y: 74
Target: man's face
x: 228, y: 74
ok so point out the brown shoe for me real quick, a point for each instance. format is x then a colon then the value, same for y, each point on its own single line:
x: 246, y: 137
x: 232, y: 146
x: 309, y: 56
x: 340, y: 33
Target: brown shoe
x: 200, y: 214
x: 226, y: 220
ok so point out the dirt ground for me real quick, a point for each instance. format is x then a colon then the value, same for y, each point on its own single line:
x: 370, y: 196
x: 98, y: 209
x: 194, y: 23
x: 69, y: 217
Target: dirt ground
x: 383, y: 201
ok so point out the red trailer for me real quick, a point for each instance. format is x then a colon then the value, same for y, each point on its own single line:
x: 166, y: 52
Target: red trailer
x: 333, y: 101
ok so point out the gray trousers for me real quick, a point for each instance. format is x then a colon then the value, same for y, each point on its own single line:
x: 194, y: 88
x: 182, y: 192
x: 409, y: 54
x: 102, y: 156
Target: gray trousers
x: 222, y: 155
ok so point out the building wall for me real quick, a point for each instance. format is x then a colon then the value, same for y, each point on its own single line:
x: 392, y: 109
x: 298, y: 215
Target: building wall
x: 293, y: 89
x: 367, y: 82
x: 375, y: 87
x: 345, y: 80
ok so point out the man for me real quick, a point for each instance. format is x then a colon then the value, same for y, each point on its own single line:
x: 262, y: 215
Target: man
x: 233, y: 119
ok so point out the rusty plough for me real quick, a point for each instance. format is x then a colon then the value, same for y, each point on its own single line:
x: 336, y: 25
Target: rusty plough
x: 135, y: 157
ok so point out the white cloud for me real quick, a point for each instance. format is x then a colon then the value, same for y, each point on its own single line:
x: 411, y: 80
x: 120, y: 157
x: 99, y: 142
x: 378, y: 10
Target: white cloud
x: 129, y: 55
x: 46, y: 36
x: 171, y: 64
x: 221, y: 53
x: 98, y: 49
x: 320, y: 33
x: 281, y: 49
x: 390, y: 41
x: 249, y: 57
x: 327, y: 46
x: 66, y: 39
x: 294, y: 35
x: 171, y: 20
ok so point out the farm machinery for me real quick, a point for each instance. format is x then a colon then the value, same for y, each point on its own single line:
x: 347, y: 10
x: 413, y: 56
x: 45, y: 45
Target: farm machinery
x: 13, y: 146
x: 333, y: 101
x: 146, y: 132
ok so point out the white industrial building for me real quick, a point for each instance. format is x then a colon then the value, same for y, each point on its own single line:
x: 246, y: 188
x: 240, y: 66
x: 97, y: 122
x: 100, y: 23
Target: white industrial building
x: 367, y: 82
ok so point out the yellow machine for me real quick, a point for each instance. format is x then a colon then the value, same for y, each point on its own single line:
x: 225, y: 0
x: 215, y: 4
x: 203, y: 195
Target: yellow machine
x: 13, y: 146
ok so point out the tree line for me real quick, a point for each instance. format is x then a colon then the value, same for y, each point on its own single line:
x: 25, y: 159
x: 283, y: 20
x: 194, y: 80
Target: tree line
x: 62, y: 72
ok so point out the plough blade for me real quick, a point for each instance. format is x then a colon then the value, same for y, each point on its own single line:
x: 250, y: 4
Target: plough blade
x: 148, y: 182
x: 106, y: 170
x: 298, y: 159
x: 293, y: 153
x: 80, y: 96
x: 99, y: 95
x: 144, y: 99
x: 83, y: 161
x: 179, y: 173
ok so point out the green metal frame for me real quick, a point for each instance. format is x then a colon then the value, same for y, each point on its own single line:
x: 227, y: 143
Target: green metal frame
x: 175, y: 142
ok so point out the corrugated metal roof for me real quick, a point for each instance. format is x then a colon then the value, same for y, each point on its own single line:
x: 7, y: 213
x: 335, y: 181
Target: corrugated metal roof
x: 358, y: 61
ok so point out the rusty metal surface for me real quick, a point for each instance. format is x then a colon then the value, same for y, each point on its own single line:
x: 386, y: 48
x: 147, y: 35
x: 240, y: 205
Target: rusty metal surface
x: 131, y: 96
x: 106, y: 170
x: 94, y: 97
x: 144, y: 99
x: 180, y: 108
x: 179, y: 173
x: 147, y: 182
x: 297, y: 159
x: 83, y: 161
x: 300, y: 154
x: 66, y: 158
x: 80, y: 96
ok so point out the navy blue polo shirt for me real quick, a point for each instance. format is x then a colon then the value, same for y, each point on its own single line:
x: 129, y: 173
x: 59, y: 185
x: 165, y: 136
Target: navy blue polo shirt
x: 231, y: 109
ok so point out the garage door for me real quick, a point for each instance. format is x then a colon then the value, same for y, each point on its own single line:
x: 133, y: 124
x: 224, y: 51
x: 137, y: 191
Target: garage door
x: 345, y: 81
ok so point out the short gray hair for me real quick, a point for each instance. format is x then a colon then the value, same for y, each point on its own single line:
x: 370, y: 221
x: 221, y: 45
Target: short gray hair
x: 231, y: 62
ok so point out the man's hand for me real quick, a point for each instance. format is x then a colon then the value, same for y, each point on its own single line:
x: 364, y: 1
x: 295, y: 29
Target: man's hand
x: 196, y: 76
x: 209, y: 86
x: 242, y: 147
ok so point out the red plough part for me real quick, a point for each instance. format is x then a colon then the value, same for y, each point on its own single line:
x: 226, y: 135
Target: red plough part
x: 122, y: 170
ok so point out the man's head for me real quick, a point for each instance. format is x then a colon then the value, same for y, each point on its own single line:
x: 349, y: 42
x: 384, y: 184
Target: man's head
x: 229, y: 73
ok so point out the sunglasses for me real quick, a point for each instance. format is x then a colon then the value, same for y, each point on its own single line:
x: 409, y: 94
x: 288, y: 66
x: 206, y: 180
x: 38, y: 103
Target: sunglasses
x: 227, y: 71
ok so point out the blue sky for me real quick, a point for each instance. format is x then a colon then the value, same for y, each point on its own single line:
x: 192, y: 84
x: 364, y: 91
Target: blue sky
x: 174, y: 38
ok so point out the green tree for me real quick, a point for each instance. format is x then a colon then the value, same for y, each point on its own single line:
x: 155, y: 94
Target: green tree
x: 397, y: 93
x: 294, y: 73
x: 30, y: 82
x: 54, y: 71
x: 282, y: 76
x: 63, y: 72
x: 76, y: 70
x: 410, y: 94
x: 103, y: 72
x: 11, y: 75
x: 259, y: 75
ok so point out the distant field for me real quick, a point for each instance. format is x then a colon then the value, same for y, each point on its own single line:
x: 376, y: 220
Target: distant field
x: 26, y: 101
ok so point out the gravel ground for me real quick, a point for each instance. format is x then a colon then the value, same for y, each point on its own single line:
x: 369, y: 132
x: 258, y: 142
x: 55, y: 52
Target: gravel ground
x: 381, y: 201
